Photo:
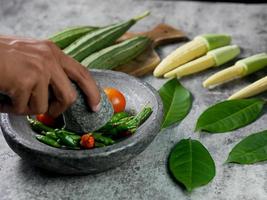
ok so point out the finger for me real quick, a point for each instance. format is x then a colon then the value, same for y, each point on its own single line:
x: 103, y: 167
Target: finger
x: 19, y: 103
x: 39, y: 98
x: 6, y: 108
x: 84, y: 80
x: 63, y: 92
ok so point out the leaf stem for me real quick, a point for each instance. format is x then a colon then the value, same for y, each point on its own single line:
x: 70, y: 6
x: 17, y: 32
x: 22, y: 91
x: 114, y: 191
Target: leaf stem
x: 139, y: 17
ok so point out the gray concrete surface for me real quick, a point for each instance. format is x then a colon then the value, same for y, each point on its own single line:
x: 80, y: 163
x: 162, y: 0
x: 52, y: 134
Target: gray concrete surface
x: 145, y: 177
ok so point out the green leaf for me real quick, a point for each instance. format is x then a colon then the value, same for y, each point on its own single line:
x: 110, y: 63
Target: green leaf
x: 229, y: 115
x: 250, y: 150
x: 176, y: 102
x: 191, y: 164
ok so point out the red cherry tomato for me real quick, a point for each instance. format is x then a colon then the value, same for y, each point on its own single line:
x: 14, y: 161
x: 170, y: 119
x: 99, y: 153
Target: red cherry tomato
x: 116, y: 98
x: 87, y: 141
x: 46, y: 119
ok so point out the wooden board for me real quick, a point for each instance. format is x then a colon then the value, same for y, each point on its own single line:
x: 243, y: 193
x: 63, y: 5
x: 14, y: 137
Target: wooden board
x: 149, y: 59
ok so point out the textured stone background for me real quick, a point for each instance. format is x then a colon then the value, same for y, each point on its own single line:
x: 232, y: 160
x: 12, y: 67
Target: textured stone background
x: 145, y: 177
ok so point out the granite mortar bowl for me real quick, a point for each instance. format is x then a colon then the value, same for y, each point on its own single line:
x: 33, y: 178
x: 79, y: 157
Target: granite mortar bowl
x: 21, y: 138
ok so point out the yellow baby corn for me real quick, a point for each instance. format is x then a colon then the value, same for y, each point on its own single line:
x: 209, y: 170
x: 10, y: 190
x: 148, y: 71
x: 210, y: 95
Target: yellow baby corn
x: 199, y: 46
x: 251, y: 90
x: 214, y: 58
x: 241, y: 68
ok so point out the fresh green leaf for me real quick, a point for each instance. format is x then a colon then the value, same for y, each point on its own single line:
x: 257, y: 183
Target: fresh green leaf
x: 191, y: 164
x: 176, y: 102
x: 250, y: 150
x: 229, y: 115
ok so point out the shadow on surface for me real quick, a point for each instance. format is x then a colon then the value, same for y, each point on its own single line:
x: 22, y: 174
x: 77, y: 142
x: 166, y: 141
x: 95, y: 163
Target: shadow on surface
x: 224, y: 1
x: 27, y: 169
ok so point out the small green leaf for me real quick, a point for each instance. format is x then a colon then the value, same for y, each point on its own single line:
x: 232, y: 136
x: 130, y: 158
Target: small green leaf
x: 176, y: 102
x: 191, y: 164
x: 229, y: 115
x: 250, y: 150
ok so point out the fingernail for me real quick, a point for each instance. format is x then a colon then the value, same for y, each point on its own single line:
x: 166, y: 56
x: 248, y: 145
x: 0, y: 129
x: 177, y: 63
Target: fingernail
x: 97, y: 107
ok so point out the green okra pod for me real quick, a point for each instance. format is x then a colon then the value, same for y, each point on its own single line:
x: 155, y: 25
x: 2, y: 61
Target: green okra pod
x: 99, y: 39
x: 117, y: 54
x: 65, y: 37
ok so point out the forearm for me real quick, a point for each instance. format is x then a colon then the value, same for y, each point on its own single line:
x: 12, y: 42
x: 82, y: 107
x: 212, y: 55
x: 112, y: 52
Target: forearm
x: 4, y: 57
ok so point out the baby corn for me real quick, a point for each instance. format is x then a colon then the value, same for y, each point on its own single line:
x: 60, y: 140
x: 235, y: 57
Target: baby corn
x: 199, y: 46
x: 251, y: 90
x: 241, y: 68
x: 213, y: 58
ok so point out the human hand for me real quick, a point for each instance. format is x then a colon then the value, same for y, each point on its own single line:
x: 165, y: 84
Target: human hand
x: 29, y: 68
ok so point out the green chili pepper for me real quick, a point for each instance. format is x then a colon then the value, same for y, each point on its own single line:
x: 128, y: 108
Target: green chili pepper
x: 118, y: 129
x: 136, y: 121
x: 118, y: 116
x: 72, y: 148
x: 120, y: 122
x: 123, y: 120
x: 47, y: 140
x: 65, y: 131
x: 66, y: 139
x: 99, y: 144
x: 128, y: 123
x: 139, y: 119
x: 75, y: 137
x: 51, y: 135
x: 103, y: 139
x: 38, y: 126
x: 115, y: 119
